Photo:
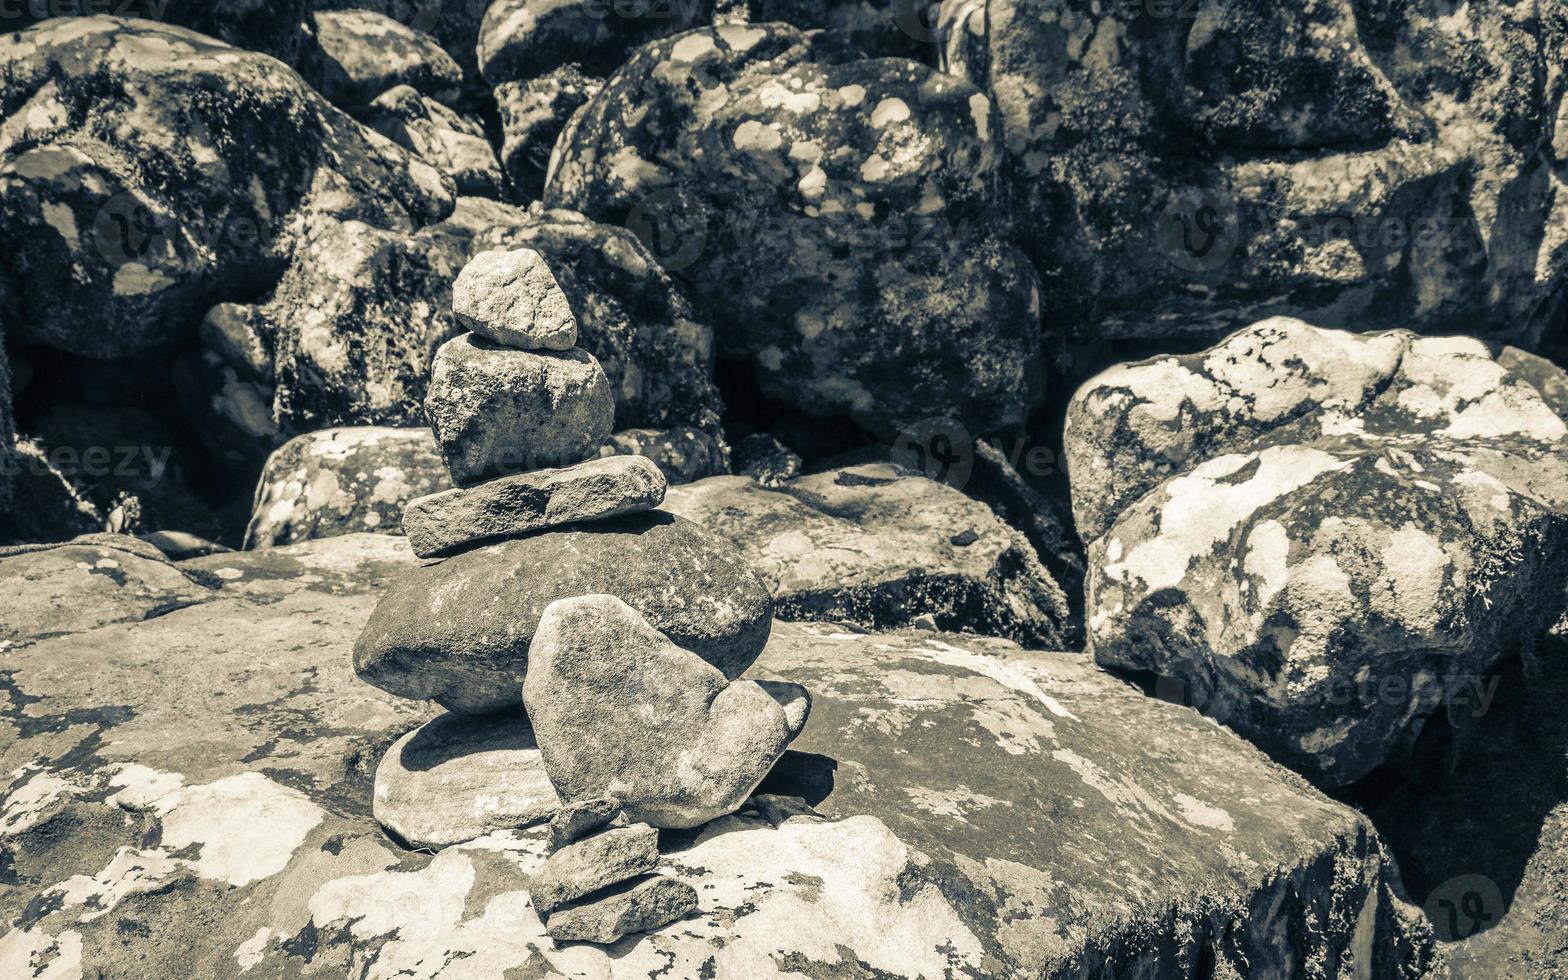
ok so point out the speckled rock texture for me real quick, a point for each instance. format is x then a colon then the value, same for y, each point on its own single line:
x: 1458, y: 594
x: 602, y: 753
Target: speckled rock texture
x: 630, y: 315
x: 340, y: 481
x: 574, y: 821
x: 201, y: 780
x: 460, y: 777
x: 496, y: 410
x: 122, y: 220
x: 454, y: 23
x: 518, y: 505
x: 281, y: 28
x: 533, y: 113
x: 458, y: 632
x: 684, y: 454
x: 522, y: 39
x: 1360, y: 164
x: 831, y: 216
x: 883, y: 547
x: 1319, y: 533
x: 597, y: 861
x: 512, y: 298
x: 621, y: 711
x: 361, y: 53
x: 636, y: 906
x: 454, y: 144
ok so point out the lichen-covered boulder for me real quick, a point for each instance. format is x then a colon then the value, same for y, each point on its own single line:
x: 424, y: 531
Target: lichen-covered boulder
x: 533, y: 113
x: 281, y: 28
x: 1318, y: 533
x: 458, y: 632
x: 190, y: 796
x: 454, y: 144
x: 1362, y: 164
x: 521, y: 39
x: 883, y: 547
x: 123, y: 220
x: 454, y: 23
x: 830, y: 215
x: 342, y: 481
x: 630, y: 315
x: 361, y: 53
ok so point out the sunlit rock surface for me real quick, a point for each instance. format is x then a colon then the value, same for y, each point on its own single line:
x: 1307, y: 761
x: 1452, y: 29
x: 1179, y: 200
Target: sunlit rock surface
x: 189, y: 795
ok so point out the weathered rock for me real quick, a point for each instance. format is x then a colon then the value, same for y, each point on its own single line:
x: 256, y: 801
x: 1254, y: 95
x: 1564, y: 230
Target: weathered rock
x: 454, y: 23
x: 575, y: 821
x: 830, y: 216
x: 533, y: 113
x: 603, y: 859
x: 496, y: 411
x: 521, y: 39
x: 635, y: 907
x: 356, y: 322
x: 123, y: 220
x: 1359, y: 165
x: 180, y: 545
x: 73, y: 587
x: 452, y: 143
x: 514, y: 506
x: 1319, y: 532
x: 766, y: 460
x: 167, y: 737
x: 459, y: 632
x: 794, y: 699
x: 684, y: 454
x: 460, y: 777
x: 630, y: 316
x: 43, y: 505
x: 361, y: 53
x: 230, y: 411
x: 282, y: 29
x: 596, y: 668
x: 340, y: 481
x: 879, y: 546
x: 512, y: 299
x: 238, y: 335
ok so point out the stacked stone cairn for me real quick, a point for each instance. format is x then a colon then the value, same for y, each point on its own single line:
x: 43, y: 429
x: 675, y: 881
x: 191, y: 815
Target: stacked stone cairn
x: 586, y: 645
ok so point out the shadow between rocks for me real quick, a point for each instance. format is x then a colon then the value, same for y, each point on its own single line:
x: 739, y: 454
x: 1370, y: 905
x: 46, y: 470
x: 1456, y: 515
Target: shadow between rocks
x: 452, y: 736
x: 1465, y: 821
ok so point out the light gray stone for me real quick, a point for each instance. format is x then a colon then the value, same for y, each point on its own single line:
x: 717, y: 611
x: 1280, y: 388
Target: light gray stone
x: 634, y: 907
x: 513, y: 299
x: 512, y: 506
x: 575, y: 821
x: 596, y: 862
x: 621, y: 711
x: 496, y: 410
x: 459, y: 777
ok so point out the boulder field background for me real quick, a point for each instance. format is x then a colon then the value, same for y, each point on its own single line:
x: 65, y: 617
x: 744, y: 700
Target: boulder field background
x: 1140, y: 424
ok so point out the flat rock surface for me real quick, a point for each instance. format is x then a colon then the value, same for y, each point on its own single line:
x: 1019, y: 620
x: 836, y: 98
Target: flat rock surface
x: 877, y: 545
x: 512, y: 506
x: 995, y: 812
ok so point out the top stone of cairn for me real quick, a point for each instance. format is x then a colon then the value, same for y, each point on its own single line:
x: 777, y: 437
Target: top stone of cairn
x: 513, y: 299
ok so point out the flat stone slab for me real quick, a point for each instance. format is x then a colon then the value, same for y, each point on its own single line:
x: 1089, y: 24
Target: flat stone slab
x: 190, y: 795
x: 512, y: 506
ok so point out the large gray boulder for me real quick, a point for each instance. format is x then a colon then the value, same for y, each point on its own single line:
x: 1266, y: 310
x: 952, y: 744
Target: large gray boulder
x: 830, y: 215
x: 1319, y: 533
x: 360, y: 53
x: 123, y: 220
x: 211, y: 814
x: 1361, y: 165
x: 341, y: 481
x: 883, y: 547
x: 458, y: 632
x: 621, y: 711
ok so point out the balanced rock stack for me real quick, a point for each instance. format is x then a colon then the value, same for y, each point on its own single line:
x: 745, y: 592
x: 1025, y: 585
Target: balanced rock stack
x: 623, y: 628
